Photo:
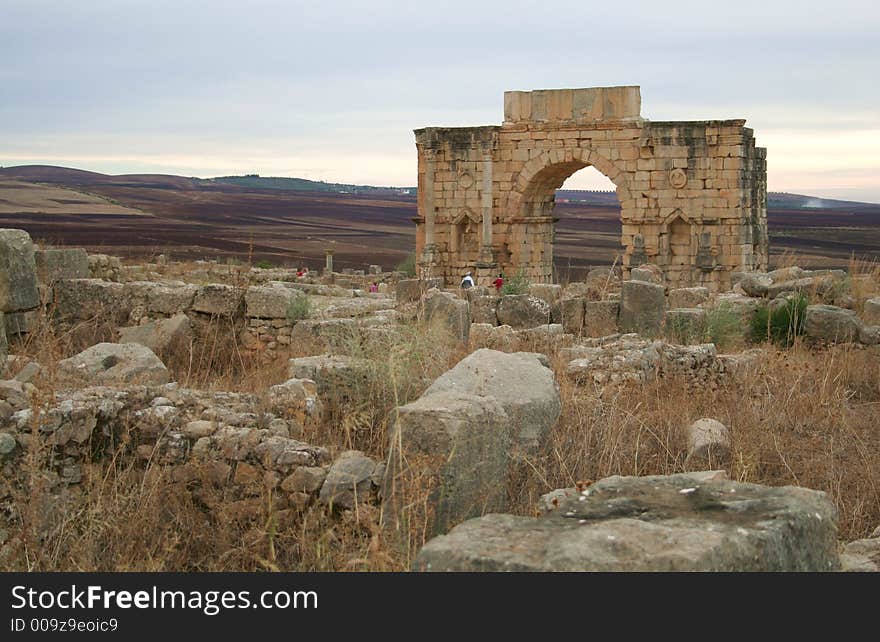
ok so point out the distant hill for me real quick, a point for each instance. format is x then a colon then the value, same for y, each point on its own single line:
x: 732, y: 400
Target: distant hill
x: 70, y: 177
x: 255, y: 181
x: 587, y: 197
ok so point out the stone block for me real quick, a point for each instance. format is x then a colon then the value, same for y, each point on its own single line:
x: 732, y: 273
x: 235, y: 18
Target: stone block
x: 270, y: 302
x: 61, y: 263
x: 642, y: 308
x: 684, y: 522
x: 601, y: 318
x: 218, y: 300
x: 18, y: 272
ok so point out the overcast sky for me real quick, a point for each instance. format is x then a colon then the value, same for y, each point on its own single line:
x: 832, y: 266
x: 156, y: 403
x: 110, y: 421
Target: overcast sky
x: 332, y: 90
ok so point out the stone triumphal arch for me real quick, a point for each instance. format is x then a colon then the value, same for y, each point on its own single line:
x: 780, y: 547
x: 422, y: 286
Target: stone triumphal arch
x: 693, y: 194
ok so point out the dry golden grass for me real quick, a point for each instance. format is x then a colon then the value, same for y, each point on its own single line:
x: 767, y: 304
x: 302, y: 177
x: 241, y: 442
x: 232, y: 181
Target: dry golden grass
x: 804, y: 417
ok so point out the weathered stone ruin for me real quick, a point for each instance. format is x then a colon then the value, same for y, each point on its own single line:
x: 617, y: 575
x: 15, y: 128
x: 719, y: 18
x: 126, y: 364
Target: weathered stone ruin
x: 693, y: 194
x: 455, y: 450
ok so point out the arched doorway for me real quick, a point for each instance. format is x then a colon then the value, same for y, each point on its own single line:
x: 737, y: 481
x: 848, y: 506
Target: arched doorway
x: 562, y: 236
x: 588, y: 226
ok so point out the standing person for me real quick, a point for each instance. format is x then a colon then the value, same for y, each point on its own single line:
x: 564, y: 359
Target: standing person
x: 374, y: 287
x: 467, y: 282
x: 499, y: 282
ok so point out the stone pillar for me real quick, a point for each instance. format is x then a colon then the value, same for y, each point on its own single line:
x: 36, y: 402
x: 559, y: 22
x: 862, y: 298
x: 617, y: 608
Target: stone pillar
x: 328, y: 262
x: 428, y: 258
x: 487, y: 254
x: 429, y: 201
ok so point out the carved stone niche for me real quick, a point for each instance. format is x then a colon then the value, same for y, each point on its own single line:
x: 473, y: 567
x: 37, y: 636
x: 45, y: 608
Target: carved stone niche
x: 706, y: 259
x: 465, y: 234
x: 638, y: 256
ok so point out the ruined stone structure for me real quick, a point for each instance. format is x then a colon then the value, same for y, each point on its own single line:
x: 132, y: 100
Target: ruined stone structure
x: 693, y: 194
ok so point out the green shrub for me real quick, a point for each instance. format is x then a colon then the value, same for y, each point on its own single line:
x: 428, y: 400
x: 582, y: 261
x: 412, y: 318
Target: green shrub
x: 264, y: 265
x: 782, y: 324
x: 684, y: 331
x: 724, y: 326
x: 408, y: 265
x: 298, y: 309
x: 518, y: 284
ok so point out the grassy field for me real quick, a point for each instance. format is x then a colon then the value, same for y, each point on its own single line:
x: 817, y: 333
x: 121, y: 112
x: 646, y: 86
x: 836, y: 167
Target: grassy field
x: 145, y: 215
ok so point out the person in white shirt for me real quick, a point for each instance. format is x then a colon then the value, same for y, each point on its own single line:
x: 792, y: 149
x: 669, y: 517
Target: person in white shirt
x: 467, y: 282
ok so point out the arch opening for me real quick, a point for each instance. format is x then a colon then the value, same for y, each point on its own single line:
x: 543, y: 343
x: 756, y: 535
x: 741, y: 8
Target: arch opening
x: 580, y: 207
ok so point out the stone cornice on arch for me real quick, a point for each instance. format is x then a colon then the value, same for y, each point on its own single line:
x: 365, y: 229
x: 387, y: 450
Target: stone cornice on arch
x: 525, y: 181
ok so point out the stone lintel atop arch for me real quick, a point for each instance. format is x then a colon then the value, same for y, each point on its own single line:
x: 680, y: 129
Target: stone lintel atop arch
x: 588, y: 104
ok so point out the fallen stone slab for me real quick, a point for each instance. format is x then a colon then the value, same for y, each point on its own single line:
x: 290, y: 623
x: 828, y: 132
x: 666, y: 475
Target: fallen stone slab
x: 522, y: 382
x: 550, y: 293
x: 832, y: 324
x: 484, y: 309
x: 709, y: 440
x: 871, y: 313
x: 570, y: 313
x: 658, y: 523
x: 114, y: 363
x: 296, y: 398
x: 601, y: 318
x: 84, y: 299
x: 448, y: 314
x: 162, y: 335
x: 500, y: 337
x: 349, y: 480
x: 685, y: 325
x: 170, y: 298
x: 861, y: 556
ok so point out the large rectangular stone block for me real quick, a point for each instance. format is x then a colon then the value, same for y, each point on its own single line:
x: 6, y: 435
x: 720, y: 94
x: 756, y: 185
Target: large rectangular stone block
x: 20, y: 322
x: 462, y: 443
x: 642, y: 308
x: 600, y: 318
x: 18, y: 272
x: 686, y: 522
x: 61, y: 263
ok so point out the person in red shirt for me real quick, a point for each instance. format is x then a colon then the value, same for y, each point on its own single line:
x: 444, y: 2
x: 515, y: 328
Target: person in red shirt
x: 499, y: 282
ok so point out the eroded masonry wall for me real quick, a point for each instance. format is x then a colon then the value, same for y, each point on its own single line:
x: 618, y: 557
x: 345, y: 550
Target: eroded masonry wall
x: 692, y: 194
